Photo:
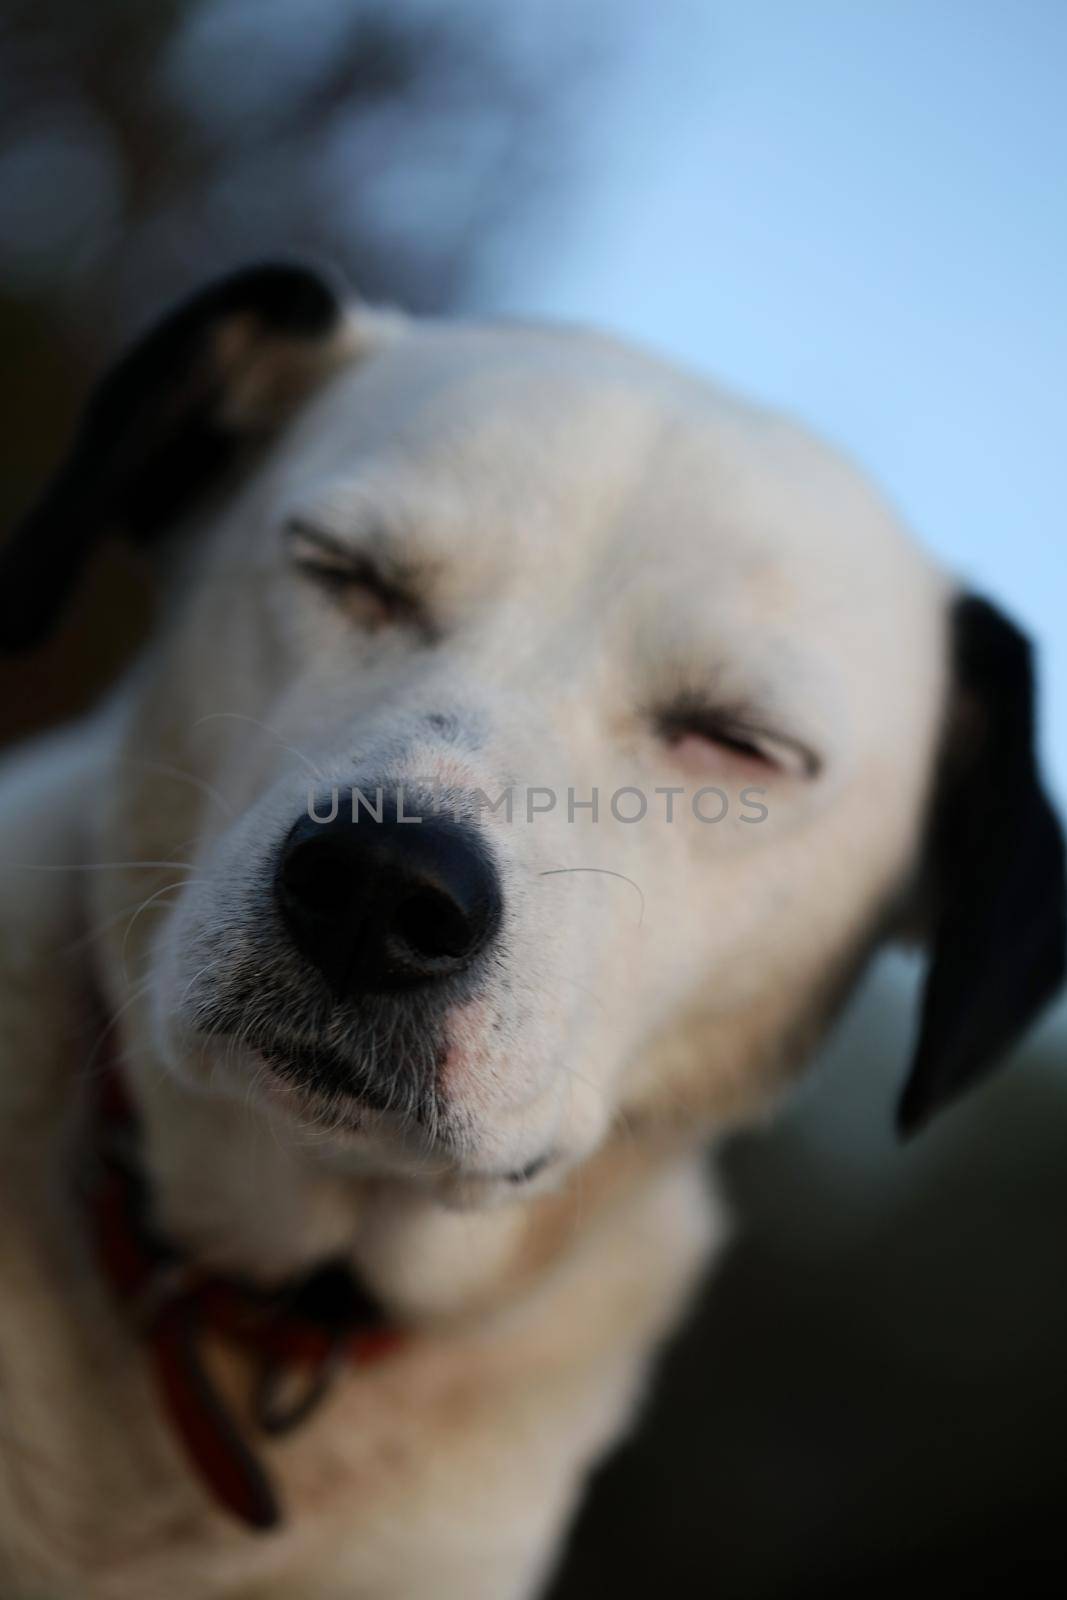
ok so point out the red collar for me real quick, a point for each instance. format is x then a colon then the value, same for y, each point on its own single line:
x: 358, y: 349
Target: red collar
x: 298, y: 1337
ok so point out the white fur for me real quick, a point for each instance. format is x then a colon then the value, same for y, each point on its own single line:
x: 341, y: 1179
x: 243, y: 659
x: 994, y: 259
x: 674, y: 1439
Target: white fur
x: 595, y: 533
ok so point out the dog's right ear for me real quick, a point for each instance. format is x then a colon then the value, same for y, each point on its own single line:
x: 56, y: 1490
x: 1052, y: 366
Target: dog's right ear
x: 215, y: 376
x: 996, y: 869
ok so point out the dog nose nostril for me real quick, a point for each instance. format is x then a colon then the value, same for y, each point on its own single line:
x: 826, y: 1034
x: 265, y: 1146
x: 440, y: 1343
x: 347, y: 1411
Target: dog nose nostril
x: 432, y: 924
x: 383, y: 905
x: 313, y: 877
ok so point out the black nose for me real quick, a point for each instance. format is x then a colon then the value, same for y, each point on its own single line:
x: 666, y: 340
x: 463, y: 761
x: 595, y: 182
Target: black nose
x: 386, y: 905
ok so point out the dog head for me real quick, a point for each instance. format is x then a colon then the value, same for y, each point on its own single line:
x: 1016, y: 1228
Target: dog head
x: 548, y: 738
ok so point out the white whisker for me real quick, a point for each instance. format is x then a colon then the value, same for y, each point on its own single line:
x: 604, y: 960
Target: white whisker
x: 607, y: 872
x: 96, y: 866
x: 239, y: 716
x: 165, y: 770
x: 144, y: 905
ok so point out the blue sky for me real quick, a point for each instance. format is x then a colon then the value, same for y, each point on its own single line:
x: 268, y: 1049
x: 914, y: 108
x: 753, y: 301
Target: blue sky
x: 854, y: 208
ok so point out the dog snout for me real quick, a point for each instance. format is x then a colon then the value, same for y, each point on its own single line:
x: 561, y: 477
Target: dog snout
x: 378, y: 905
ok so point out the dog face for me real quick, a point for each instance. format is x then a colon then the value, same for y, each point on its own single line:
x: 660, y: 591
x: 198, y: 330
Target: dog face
x: 549, y: 739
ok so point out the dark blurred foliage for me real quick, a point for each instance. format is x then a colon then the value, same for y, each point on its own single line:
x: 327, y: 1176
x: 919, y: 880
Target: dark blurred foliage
x: 144, y: 146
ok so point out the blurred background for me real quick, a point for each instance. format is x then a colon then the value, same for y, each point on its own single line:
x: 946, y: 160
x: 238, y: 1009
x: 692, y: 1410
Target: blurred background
x: 854, y: 208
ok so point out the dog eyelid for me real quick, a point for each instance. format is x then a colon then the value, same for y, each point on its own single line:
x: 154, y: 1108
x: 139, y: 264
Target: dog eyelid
x: 340, y: 568
x: 739, y: 735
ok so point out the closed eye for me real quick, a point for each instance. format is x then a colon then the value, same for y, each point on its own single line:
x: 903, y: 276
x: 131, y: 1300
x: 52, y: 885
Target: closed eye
x: 698, y: 737
x: 372, y: 594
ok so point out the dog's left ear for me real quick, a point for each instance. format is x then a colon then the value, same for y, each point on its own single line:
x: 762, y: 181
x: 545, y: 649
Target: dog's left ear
x: 995, y: 869
x: 166, y: 424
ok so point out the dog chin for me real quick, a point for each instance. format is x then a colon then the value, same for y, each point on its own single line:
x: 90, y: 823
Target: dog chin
x: 357, y: 1134
x: 356, y: 1139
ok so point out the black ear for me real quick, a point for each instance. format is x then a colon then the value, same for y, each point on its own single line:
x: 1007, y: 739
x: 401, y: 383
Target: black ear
x: 996, y: 870
x: 163, y: 425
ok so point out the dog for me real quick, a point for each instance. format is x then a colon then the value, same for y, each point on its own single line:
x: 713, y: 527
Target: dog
x: 533, y: 746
